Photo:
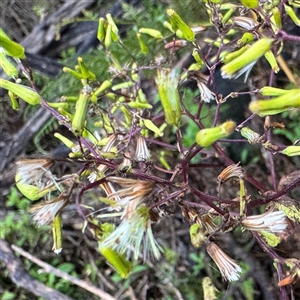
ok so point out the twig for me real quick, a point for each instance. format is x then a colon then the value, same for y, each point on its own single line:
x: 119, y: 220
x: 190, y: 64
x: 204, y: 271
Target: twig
x: 19, y: 275
x: 49, y: 269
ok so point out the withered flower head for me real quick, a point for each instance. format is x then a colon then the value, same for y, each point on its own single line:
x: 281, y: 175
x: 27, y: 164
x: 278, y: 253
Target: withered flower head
x: 44, y: 213
x: 272, y: 221
x: 142, y: 152
x: 229, y: 172
x: 228, y: 267
x: 131, y: 195
x: 132, y: 232
x: 32, y: 171
x: 206, y: 94
x: 245, y: 23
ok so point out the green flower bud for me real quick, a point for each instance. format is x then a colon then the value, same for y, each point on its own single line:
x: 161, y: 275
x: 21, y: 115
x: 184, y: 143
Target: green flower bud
x: 139, y: 105
x: 65, y: 140
x: 291, y: 151
x: 122, y: 85
x: 167, y: 83
x: 118, y: 261
x: 271, y: 91
x: 232, y: 55
x: 247, y: 59
x: 250, y: 3
x: 57, y: 234
x: 152, y: 32
x: 178, y: 23
x: 74, y: 73
x: 245, y: 39
x: 14, y: 100
x: 143, y: 46
x: 114, y: 27
x: 8, y: 68
x: 197, y: 57
x: 151, y: 126
x: 101, y: 30
x: 276, y: 17
x: 103, y: 87
x: 12, y: 48
x: 277, y: 105
x: 23, y: 92
x: 108, y: 38
x: 206, y: 137
x: 272, y: 61
x: 81, y: 110
x: 84, y: 70
x: 291, y: 13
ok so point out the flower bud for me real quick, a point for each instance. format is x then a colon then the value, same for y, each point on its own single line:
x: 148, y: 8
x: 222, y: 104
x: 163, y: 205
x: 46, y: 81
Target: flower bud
x: 206, y: 137
x: 14, y: 100
x: 167, y: 83
x: 118, y: 261
x: 250, y: 3
x: 291, y: 151
x: 143, y: 46
x: 8, y: 68
x: 178, y: 23
x: 272, y: 61
x: 12, y: 48
x: 152, y: 32
x: 23, y: 92
x: 84, y: 70
x: 57, y: 234
x: 81, y: 110
x: 271, y: 91
x: 101, y: 30
x: 232, y: 55
x: 103, y: 87
x: 247, y: 59
x: 108, y: 38
x: 277, y: 105
x: 291, y: 13
x: 276, y: 17
x: 245, y: 39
